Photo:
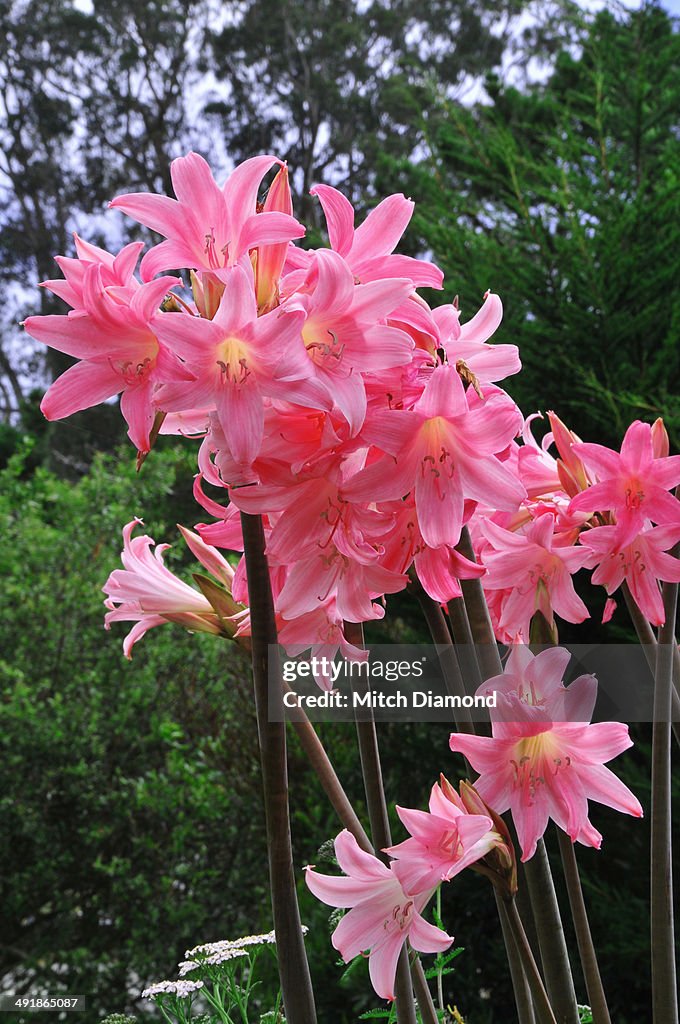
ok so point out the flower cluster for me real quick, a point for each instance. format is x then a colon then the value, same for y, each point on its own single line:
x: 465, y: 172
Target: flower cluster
x: 387, y: 901
x: 365, y: 427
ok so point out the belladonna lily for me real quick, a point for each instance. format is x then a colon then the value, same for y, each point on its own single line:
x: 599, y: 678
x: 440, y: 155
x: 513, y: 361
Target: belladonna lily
x: 442, y: 842
x: 146, y: 592
x: 444, y: 450
x: 232, y: 359
x: 489, y: 363
x: 382, y: 916
x: 642, y: 564
x: 113, y: 333
x: 533, y: 570
x: 544, y: 760
x: 344, y: 334
x: 208, y: 228
x: 633, y: 484
x: 369, y: 249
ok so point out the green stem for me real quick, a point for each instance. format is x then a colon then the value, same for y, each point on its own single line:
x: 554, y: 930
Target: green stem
x: 296, y: 984
x: 542, y: 1005
x: 591, y: 970
x: 518, y: 974
x: 647, y: 639
x: 551, y: 941
x: 446, y: 653
x: 664, y: 984
x: 478, y: 616
x: 380, y: 828
x: 465, y: 645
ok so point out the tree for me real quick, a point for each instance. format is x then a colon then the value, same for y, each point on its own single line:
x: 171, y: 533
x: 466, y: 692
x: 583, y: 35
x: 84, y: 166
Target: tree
x: 565, y: 200
x: 90, y: 104
x: 333, y: 85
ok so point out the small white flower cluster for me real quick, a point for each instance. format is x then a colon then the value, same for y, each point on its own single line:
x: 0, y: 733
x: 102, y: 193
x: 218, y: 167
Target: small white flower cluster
x: 224, y: 945
x: 219, y: 956
x: 176, y: 988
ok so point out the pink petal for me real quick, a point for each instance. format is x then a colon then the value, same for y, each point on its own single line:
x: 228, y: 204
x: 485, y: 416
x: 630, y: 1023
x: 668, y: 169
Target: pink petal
x: 637, y: 451
x: 360, y: 929
x: 426, y: 937
x: 379, y: 299
x: 485, y: 322
x: 601, y: 460
x: 80, y: 387
x: 382, y: 964
x: 265, y: 229
x: 444, y: 395
x: 564, y: 599
x: 241, y: 414
x: 593, y: 744
x: 338, y: 891
x: 488, y: 480
x: 160, y: 213
x: 603, y: 786
x: 242, y: 186
x: 339, y: 214
x: 237, y: 306
x: 439, y: 503
x: 421, y: 273
x: 382, y: 229
x: 357, y: 862
x: 139, y: 413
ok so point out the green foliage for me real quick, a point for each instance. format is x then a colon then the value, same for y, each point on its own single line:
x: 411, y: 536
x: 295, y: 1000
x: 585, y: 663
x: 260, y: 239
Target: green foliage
x: 129, y: 790
x: 564, y: 199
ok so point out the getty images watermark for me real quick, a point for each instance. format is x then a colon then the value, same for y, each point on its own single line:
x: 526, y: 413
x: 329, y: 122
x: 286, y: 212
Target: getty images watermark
x: 423, y: 683
x: 324, y: 671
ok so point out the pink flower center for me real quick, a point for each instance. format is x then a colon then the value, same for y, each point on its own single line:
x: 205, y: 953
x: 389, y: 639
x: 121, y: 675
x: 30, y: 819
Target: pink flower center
x: 136, y: 373
x: 400, y: 918
x: 449, y: 845
x: 323, y: 345
x: 232, y: 359
x: 536, y: 759
x: 635, y: 495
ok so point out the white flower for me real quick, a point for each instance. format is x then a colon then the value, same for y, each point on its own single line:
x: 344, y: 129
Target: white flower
x: 219, y: 956
x: 176, y: 988
x: 212, y: 948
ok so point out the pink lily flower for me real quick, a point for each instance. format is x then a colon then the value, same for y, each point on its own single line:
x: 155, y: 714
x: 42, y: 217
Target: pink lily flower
x: 146, y: 592
x: 442, y: 842
x: 642, y: 563
x: 382, y: 916
x: 114, y: 335
x: 534, y: 570
x: 548, y: 761
x: 489, y: 363
x: 439, y: 569
x: 207, y: 227
x: 369, y: 250
x: 355, y: 586
x: 344, y: 334
x: 634, y: 483
x: 116, y: 271
x: 232, y: 360
x: 445, y: 450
